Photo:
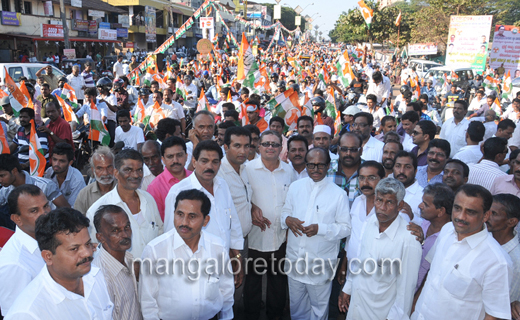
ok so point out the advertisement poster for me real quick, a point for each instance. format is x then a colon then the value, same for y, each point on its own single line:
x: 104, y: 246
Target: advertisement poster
x: 124, y: 20
x: 122, y: 32
x: 107, y: 34
x: 208, y: 27
x: 48, y: 8
x: 11, y: 18
x: 420, y: 49
x: 149, y: 21
x: 70, y: 53
x: 52, y: 31
x: 506, y: 49
x: 468, y: 40
x: 80, y: 25
x: 92, y: 27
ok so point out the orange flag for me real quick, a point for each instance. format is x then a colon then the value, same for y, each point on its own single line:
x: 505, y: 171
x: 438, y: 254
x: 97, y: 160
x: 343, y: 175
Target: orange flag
x: 36, y: 154
x: 14, y: 90
x: 3, y: 142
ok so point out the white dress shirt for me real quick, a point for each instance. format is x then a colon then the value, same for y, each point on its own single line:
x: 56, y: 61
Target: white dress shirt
x: 373, y: 150
x: 467, y: 278
x: 387, y: 293
x: 469, y: 154
x: 167, y: 110
x: 484, y: 173
x: 455, y: 134
x: 177, y: 111
x: 241, y: 192
x: 224, y: 221
x: 413, y: 197
x: 44, y: 299
x: 381, y: 90
x: 358, y: 216
x: 189, y: 153
x: 512, y: 247
x: 269, y: 192
x: 20, y: 262
x: 491, y: 129
x: 408, y: 144
x: 131, y: 138
x: 183, y: 294
x: 118, y: 69
x: 77, y: 83
x: 148, y: 227
x: 301, y: 175
x: 322, y: 203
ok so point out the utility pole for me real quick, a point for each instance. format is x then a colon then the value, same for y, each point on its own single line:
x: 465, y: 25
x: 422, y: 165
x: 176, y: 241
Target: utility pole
x: 65, y: 27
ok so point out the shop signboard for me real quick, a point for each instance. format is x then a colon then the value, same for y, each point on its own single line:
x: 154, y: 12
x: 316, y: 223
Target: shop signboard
x: 51, y: 31
x: 107, y: 34
x: 11, y: 18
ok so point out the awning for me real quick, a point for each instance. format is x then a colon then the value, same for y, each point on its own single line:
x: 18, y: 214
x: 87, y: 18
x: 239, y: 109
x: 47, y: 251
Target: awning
x: 176, y: 11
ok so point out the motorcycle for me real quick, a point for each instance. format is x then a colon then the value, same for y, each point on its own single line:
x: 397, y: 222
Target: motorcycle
x: 82, y: 146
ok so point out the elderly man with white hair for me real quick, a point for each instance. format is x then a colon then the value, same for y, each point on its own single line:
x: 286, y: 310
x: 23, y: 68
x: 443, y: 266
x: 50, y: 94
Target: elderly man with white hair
x: 77, y: 82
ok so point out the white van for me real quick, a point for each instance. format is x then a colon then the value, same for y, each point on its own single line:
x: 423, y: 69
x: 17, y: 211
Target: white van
x: 28, y: 70
x: 423, y: 66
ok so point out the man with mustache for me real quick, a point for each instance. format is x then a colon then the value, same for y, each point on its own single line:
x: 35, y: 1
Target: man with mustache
x: 20, y: 258
x: 405, y: 170
x: 102, y: 166
x: 408, y: 122
x: 69, y: 179
x: 173, y: 155
x: 470, y: 273
x: 502, y: 223
x: 296, y: 150
x: 316, y: 212
x: 362, y: 126
x: 322, y: 138
x: 509, y: 183
x: 304, y: 127
x: 139, y: 205
x: 454, y: 129
x: 455, y: 174
x: 224, y: 221
x: 68, y: 286
x: 255, y: 138
x: 114, y: 233
x: 438, y: 151
x: 203, y: 129
x: 345, y: 170
x: 390, y: 149
x: 487, y: 170
x: 201, y: 292
x: 22, y: 138
x: 423, y: 133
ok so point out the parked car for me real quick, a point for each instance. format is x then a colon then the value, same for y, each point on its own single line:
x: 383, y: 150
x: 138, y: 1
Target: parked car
x: 28, y: 70
x: 423, y: 66
x: 466, y: 75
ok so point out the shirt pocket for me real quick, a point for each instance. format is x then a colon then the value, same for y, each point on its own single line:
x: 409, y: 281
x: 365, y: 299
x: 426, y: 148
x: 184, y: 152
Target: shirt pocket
x: 212, y: 288
x: 461, y: 286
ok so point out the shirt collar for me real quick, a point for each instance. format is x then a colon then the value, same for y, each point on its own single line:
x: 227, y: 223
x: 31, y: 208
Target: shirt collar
x: 260, y: 165
x: 319, y: 183
x: 26, y: 240
x: 489, y: 163
x: 58, y: 293
x: 196, y: 183
x: 227, y: 167
x: 414, y: 188
x: 391, y: 231
x: 112, y: 265
x: 179, y: 242
x: 475, y: 239
x: 511, y: 244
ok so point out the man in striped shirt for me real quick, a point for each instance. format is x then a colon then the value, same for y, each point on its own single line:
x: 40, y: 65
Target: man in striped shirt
x: 88, y: 76
x: 20, y: 142
x: 487, y: 170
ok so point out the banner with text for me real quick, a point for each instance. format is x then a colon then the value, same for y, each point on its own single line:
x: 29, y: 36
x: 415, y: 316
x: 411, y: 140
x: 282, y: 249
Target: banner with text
x: 506, y: 49
x: 419, y: 49
x: 468, y: 40
x: 149, y: 20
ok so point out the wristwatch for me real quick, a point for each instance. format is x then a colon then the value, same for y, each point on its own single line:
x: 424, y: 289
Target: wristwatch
x: 52, y: 133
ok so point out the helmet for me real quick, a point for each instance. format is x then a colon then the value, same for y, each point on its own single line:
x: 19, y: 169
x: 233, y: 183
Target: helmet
x: 274, y: 75
x: 295, y: 87
x: 105, y: 83
x: 144, y: 92
x: 30, y: 88
x: 282, y: 84
x: 405, y: 88
x: 64, y: 79
x: 318, y: 101
x: 118, y: 82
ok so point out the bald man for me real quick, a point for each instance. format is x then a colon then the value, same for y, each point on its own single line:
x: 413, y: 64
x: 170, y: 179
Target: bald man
x: 151, y: 152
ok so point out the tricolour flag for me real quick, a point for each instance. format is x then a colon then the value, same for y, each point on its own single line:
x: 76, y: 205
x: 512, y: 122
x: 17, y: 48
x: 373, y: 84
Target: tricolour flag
x: 367, y: 13
x: 157, y: 115
x: 324, y: 76
x: 37, y: 160
x: 286, y: 105
x: 68, y: 114
x: 16, y: 97
x: 25, y: 92
x: 330, y: 103
x: 345, y: 73
x: 245, y: 59
x: 140, y: 113
x: 490, y: 83
x: 398, y: 20
x: 203, y: 102
x: 67, y: 93
x: 98, y: 131
x: 506, y: 86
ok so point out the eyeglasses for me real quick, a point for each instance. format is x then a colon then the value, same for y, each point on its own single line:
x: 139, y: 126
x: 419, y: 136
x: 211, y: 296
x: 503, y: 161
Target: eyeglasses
x: 369, y: 178
x: 361, y: 125
x: 415, y: 133
x: 270, y: 144
x: 320, y: 166
x: 436, y: 154
x: 347, y: 149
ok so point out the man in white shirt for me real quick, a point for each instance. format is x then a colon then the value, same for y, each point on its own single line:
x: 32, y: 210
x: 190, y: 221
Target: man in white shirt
x: 132, y: 136
x: 270, y: 179
x: 502, y: 224
x: 117, y: 264
x: 139, y: 205
x: 478, y: 101
x: 224, y: 221
x: 68, y: 286
x: 454, y: 129
x: 203, y: 129
x: 177, y: 110
x: 474, y: 135
x: 297, y: 147
x: 158, y: 110
x: 373, y: 290
x: 470, y: 273
x: 409, y: 122
x: 372, y: 148
x: 20, y: 258
x: 77, y: 82
x: 405, y: 169
x: 316, y: 212
x: 487, y: 170
x: 381, y: 87
x: 186, y: 292
x: 237, y: 141
x: 118, y: 67
x: 322, y: 139
x: 189, y: 88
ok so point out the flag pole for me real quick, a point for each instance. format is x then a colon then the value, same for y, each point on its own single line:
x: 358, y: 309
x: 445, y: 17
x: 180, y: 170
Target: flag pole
x: 398, y: 31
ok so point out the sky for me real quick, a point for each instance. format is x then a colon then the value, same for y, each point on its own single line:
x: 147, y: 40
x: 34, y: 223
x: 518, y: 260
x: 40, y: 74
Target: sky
x: 329, y: 10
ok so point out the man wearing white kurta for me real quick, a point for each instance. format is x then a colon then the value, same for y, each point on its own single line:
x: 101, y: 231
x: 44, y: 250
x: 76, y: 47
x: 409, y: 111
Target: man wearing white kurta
x: 145, y: 220
x: 381, y: 282
x: 316, y: 211
x: 470, y: 273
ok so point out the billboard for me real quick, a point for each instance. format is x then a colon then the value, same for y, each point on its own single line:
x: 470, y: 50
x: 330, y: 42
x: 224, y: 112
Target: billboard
x: 506, y: 49
x: 468, y: 40
x: 149, y: 20
x: 52, y: 31
x: 419, y: 49
x: 208, y: 27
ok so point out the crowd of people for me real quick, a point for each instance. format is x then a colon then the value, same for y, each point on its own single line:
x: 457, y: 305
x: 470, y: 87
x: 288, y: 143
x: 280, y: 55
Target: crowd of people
x: 369, y: 207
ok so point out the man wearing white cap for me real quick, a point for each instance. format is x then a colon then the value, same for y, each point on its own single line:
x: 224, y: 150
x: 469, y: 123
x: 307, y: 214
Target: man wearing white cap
x: 322, y: 138
x: 348, y: 118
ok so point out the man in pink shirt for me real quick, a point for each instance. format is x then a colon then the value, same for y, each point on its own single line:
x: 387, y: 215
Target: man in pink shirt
x: 509, y: 183
x: 173, y: 153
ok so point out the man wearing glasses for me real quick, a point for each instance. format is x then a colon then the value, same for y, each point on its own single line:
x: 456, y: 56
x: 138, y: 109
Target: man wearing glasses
x: 423, y: 133
x: 436, y: 157
x: 372, y: 148
x: 270, y: 179
x: 316, y: 212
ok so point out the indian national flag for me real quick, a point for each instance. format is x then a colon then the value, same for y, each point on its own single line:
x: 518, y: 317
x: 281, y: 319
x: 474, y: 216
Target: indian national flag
x: 490, y: 83
x: 69, y: 94
x: 506, y: 86
x: 253, y: 78
x: 68, y: 114
x: 286, y: 105
x: 162, y: 83
x: 245, y: 59
x: 367, y: 13
x: 140, y: 113
x: 16, y: 97
x: 98, y: 131
x: 203, y: 102
x: 157, y: 114
x: 36, y: 154
x: 345, y: 73
x: 3, y: 142
x: 330, y: 104
x: 324, y: 75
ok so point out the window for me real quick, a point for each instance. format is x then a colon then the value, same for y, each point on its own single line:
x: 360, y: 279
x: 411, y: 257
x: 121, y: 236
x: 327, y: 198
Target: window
x: 16, y: 73
x: 27, y: 7
x: 6, y: 5
x: 18, y: 5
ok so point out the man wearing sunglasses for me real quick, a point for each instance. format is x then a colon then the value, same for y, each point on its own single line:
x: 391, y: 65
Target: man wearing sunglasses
x: 316, y: 212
